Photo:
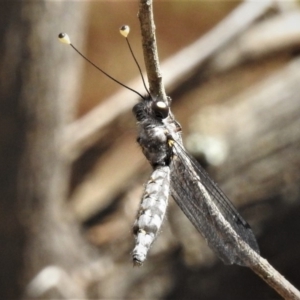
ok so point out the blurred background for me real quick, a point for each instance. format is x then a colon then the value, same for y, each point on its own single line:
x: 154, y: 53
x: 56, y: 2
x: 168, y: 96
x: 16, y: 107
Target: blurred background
x: 72, y: 174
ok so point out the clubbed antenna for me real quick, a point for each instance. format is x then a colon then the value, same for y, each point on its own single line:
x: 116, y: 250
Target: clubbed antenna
x: 124, y: 30
x: 65, y: 39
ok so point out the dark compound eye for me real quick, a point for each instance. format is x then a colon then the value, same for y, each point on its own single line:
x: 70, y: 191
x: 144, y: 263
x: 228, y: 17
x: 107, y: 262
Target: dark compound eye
x: 161, y: 109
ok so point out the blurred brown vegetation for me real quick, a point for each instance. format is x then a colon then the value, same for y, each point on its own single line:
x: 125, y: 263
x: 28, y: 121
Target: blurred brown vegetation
x: 70, y: 186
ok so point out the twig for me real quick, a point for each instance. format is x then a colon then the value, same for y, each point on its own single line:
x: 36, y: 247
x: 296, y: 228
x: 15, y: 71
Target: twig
x: 275, y: 280
x: 150, y: 50
x: 259, y: 265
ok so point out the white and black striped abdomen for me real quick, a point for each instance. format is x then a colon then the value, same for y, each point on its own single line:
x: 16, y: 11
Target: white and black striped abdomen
x: 151, y: 213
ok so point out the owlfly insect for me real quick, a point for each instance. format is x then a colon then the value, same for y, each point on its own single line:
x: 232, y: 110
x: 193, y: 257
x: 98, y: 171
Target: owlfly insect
x: 177, y: 173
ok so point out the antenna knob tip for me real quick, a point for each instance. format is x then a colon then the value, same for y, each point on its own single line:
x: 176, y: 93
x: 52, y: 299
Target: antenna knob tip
x: 64, y: 38
x: 124, y: 30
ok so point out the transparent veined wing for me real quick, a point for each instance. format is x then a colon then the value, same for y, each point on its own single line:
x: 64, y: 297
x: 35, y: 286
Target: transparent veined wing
x: 205, y: 204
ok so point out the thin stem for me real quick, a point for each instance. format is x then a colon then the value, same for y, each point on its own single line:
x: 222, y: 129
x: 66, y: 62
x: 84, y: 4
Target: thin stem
x: 150, y: 50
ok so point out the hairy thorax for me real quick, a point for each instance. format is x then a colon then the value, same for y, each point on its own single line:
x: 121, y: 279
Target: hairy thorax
x: 154, y: 143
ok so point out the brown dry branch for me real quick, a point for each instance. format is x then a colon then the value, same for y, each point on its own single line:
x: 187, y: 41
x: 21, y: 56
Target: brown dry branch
x: 38, y: 233
x: 275, y: 280
x: 148, y: 28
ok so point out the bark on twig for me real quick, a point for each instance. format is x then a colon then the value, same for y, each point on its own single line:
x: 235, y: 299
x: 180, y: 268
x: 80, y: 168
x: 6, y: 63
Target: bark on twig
x: 34, y: 177
x: 275, y: 280
x: 150, y: 50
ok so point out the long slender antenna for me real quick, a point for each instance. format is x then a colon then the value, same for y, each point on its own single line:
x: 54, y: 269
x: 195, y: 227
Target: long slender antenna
x: 64, y: 38
x: 124, y: 30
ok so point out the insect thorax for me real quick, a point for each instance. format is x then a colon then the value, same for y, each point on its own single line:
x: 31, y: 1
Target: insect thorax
x: 153, y: 134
